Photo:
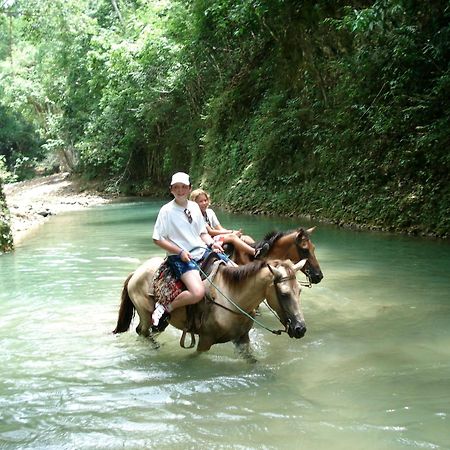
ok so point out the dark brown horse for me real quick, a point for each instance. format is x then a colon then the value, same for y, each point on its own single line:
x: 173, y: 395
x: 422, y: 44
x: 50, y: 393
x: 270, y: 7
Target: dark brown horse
x: 295, y: 245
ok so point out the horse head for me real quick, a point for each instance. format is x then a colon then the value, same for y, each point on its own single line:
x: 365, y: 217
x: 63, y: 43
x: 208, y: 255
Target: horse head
x: 283, y: 296
x: 306, y: 250
x: 294, y: 245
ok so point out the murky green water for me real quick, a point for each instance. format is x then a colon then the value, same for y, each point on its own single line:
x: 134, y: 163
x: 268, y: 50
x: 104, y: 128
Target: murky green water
x: 373, y: 371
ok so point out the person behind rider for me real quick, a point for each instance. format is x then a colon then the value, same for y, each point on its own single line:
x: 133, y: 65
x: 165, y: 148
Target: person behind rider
x: 221, y: 234
x: 180, y: 230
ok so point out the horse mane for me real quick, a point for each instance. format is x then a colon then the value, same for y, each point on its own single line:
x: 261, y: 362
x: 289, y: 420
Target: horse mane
x: 235, y: 275
x: 273, y: 236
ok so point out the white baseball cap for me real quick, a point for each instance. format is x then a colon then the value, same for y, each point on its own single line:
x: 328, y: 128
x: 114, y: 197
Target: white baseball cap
x: 180, y: 177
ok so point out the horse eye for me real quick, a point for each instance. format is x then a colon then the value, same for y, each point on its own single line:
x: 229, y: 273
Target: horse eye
x: 285, y: 296
x: 304, y: 252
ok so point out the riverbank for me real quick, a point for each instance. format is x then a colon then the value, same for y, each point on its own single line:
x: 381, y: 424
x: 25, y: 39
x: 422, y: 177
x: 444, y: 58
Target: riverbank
x: 32, y: 202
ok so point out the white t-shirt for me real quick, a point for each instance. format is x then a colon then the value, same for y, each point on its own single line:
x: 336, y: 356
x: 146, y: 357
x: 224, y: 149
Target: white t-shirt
x: 172, y: 224
x: 212, y: 218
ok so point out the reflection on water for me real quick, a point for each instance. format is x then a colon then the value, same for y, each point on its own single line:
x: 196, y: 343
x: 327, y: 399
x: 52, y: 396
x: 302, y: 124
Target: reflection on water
x: 372, y: 372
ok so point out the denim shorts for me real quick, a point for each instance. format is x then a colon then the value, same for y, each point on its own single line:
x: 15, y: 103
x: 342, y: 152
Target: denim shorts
x: 180, y: 267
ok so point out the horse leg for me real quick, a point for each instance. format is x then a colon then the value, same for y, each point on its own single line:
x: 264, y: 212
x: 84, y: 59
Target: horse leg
x: 145, y: 308
x: 143, y: 329
x: 153, y: 342
x: 204, y: 343
x: 244, y: 349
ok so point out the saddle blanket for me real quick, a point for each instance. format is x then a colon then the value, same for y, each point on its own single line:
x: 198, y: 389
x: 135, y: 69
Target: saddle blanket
x: 165, y: 286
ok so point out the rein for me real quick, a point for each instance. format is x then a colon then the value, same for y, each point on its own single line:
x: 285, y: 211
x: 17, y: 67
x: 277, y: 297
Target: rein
x: 240, y: 310
x: 307, y: 284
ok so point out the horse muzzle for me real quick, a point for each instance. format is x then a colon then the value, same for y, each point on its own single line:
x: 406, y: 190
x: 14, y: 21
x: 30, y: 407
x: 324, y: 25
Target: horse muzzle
x: 316, y: 277
x: 296, y: 330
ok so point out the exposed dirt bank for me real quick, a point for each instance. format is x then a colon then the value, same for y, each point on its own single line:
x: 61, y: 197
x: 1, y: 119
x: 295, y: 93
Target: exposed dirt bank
x: 33, y: 202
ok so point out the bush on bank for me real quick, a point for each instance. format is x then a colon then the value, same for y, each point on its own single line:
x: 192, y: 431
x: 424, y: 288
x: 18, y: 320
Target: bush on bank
x: 6, y: 240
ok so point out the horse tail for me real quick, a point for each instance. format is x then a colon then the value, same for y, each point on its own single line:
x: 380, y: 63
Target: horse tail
x: 126, y: 310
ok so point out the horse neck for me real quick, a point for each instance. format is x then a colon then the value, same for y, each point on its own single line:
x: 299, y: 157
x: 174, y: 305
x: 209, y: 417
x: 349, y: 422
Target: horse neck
x: 284, y: 248
x: 249, y: 293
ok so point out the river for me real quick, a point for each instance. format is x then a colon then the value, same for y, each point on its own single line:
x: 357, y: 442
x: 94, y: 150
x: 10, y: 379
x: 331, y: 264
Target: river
x: 372, y: 372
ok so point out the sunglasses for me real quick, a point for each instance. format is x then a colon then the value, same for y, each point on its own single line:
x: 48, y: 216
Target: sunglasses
x: 188, y: 215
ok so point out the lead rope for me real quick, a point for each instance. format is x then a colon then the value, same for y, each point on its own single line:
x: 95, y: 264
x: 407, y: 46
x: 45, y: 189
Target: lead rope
x: 245, y: 313
x: 242, y: 311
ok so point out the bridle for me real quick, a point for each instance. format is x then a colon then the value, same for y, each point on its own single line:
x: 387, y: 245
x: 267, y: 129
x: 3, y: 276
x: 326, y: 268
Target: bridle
x: 276, y: 281
x: 307, y: 270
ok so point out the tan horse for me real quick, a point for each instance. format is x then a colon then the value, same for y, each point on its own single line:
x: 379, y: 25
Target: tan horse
x: 222, y: 321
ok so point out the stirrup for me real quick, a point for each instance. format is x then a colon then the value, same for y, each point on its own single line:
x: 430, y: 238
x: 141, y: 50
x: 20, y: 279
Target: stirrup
x: 183, y: 339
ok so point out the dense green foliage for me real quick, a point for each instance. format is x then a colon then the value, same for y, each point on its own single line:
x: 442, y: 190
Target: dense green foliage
x: 337, y: 110
x: 6, y: 240
x: 19, y: 145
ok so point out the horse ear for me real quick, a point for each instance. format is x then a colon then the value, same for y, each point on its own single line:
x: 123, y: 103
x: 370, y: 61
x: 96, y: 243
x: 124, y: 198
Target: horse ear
x: 310, y: 230
x: 300, y: 265
x: 276, y: 273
